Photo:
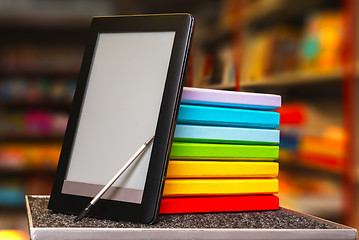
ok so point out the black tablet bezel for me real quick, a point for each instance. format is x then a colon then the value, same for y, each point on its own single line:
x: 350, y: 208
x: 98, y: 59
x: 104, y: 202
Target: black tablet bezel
x: 147, y: 211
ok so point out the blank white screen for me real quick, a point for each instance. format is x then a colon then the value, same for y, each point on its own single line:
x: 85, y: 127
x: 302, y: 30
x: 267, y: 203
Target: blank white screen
x: 121, y: 108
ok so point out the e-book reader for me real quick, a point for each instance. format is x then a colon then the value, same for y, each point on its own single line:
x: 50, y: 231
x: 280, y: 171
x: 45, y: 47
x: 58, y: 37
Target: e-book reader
x: 128, y: 90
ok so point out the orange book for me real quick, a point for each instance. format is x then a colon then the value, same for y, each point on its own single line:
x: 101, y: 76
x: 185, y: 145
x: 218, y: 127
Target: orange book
x: 221, y: 169
x: 205, y: 187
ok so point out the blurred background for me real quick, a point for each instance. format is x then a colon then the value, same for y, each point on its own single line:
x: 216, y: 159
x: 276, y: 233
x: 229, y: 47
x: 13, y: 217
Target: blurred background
x: 303, y: 50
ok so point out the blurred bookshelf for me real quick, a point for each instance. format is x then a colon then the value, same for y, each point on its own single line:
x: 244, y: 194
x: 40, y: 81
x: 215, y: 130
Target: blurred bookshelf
x: 41, y: 50
x: 293, y: 78
x: 300, y: 51
x: 269, y: 46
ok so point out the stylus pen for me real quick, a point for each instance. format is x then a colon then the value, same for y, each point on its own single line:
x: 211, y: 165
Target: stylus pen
x: 109, y: 184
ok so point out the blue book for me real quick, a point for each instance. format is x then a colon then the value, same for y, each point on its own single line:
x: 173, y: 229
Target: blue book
x: 11, y: 197
x: 229, y: 117
x: 216, y: 134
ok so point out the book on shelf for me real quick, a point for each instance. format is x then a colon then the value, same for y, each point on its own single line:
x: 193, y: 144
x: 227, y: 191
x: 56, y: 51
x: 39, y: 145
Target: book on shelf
x: 314, y: 48
x: 294, y: 114
x: 19, y: 156
x: 322, y: 41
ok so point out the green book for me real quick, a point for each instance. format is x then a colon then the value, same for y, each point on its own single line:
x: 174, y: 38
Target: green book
x: 184, y: 150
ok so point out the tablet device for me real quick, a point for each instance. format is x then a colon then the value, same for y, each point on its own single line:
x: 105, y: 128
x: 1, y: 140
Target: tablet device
x: 129, y: 89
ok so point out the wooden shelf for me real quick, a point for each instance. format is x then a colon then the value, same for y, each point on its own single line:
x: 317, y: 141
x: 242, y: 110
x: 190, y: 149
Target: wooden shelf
x: 266, y: 13
x: 223, y: 86
x: 38, y: 139
x: 70, y: 74
x: 304, y: 168
x: 43, y: 21
x: 287, y: 79
x: 24, y: 172
x: 293, y: 79
x: 63, y: 105
x: 261, y: 10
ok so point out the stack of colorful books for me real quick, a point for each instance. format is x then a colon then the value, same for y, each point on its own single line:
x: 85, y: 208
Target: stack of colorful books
x: 223, y: 153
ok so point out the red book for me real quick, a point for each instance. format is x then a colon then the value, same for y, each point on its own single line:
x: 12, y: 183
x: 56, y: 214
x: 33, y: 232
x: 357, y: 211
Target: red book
x: 219, y: 204
x: 321, y: 161
x: 293, y: 114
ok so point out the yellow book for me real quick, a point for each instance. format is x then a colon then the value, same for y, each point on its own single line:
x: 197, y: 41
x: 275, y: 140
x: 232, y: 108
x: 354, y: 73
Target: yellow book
x: 221, y: 169
x: 193, y: 187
